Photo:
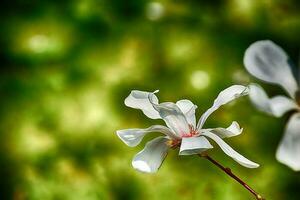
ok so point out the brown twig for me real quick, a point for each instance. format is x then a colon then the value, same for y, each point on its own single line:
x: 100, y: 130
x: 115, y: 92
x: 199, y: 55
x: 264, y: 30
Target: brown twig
x: 229, y: 172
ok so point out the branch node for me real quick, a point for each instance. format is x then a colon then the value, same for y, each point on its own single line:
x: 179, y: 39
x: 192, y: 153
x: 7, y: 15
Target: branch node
x: 228, y: 169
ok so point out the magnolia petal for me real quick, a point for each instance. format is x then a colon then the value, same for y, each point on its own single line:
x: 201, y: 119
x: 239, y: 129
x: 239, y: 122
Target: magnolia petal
x: 259, y: 98
x: 281, y: 104
x: 132, y: 137
x: 172, y: 116
x: 230, y: 152
x: 225, y: 96
x: 268, y: 62
x: 188, y: 109
x: 139, y: 100
x: 194, y: 145
x: 151, y: 157
x: 276, y: 106
x: 233, y: 130
x: 288, y: 151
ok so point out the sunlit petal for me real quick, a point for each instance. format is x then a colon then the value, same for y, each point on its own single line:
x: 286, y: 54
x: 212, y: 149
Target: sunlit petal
x: 132, y: 137
x: 281, y: 104
x: 268, y: 62
x: 276, y: 106
x: 188, y: 109
x: 194, y: 145
x: 151, y: 157
x: 173, y: 117
x: 233, y: 130
x: 259, y: 98
x: 139, y: 100
x: 288, y: 151
x: 229, y: 151
x: 227, y: 95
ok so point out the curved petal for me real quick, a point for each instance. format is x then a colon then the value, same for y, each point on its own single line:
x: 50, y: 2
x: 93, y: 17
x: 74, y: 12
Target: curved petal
x: 132, y: 137
x: 151, y: 157
x: 227, y: 95
x: 194, y: 145
x: 230, y: 152
x: 172, y: 116
x: 276, y: 106
x: 281, y: 104
x: 288, y: 151
x: 268, y: 62
x: 188, y: 109
x: 259, y: 98
x: 233, y: 130
x: 139, y: 100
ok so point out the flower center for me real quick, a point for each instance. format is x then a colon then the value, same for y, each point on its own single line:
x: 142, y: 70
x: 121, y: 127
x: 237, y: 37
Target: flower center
x: 173, y: 143
x: 192, y: 132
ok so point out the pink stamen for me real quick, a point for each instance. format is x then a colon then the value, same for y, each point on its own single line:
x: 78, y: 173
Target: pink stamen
x: 174, y: 143
x: 193, y: 132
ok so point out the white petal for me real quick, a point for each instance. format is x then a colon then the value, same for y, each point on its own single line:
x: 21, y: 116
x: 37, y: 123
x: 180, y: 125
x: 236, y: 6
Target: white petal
x: 172, y: 116
x: 139, y: 100
x: 194, y: 145
x: 151, y: 157
x: 233, y: 130
x: 259, y: 98
x: 268, y: 62
x: 132, y: 137
x: 230, y: 152
x: 281, y: 104
x: 288, y: 151
x: 276, y: 106
x: 188, y: 109
x: 227, y: 95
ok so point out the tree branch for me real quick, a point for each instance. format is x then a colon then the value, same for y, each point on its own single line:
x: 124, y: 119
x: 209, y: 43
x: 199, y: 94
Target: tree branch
x: 229, y: 172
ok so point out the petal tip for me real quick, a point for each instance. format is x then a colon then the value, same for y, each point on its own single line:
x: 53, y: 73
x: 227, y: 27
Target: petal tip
x: 294, y: 166
x: 255, y: 165
x: 142, y: 166
x: 122, y: 135
x: 249, y: 164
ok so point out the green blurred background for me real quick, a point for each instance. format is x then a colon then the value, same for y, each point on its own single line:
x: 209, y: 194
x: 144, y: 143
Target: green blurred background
x: 67, y: 66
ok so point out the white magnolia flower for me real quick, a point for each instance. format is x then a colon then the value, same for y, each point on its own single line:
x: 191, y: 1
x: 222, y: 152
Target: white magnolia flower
x: 181, y: 129
x: 268, y: 62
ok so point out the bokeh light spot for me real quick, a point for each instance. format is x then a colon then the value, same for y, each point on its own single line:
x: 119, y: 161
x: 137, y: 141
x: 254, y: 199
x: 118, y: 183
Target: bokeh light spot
x: 39, y: 43
x: 33, y: 141
x: 155, y: 11
x: 200, y: 79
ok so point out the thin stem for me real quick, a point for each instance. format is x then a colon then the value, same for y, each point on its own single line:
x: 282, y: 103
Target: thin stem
x: 229, y: 172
